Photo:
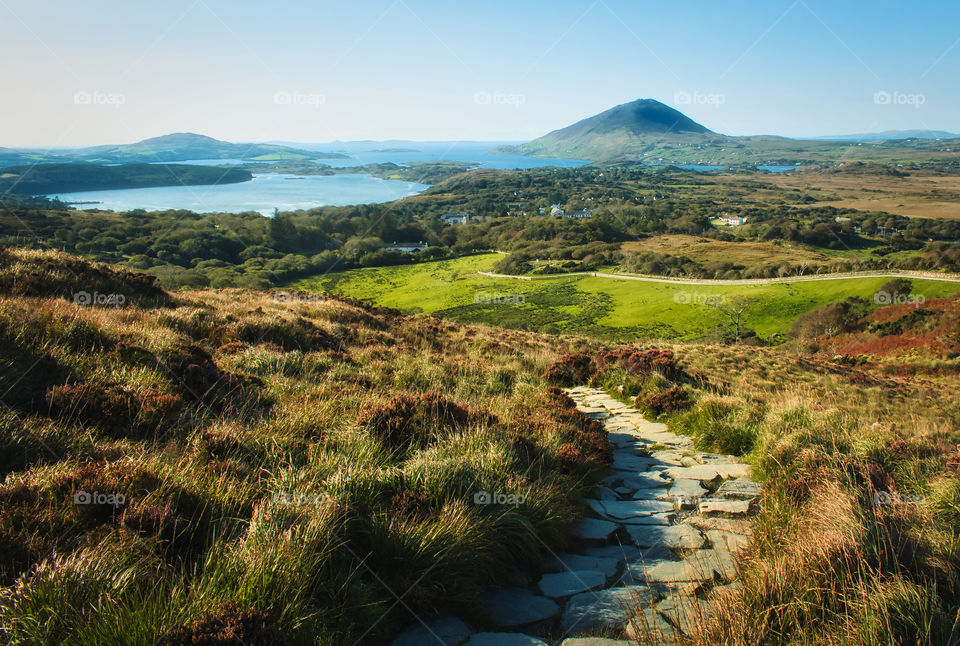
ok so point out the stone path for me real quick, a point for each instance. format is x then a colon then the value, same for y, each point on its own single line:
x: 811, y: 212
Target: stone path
x: 654, y: 559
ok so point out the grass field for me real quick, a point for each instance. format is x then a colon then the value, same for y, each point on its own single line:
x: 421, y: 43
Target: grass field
x: 600, y: 307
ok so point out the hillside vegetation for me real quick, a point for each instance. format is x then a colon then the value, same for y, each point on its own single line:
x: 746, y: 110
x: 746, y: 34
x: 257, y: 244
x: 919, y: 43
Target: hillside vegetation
x: 221, y: 465
x: 272, y: 465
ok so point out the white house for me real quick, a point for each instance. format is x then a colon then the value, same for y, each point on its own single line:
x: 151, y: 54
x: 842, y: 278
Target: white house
x: 455, y: 218
x: 732, y: 220
x: 407, y: 247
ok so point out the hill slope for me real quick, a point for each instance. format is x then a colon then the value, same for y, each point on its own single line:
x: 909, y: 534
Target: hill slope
x: 223, y: 466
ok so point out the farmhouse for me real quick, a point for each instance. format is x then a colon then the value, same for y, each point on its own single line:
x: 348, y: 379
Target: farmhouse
x: 407, y: 247
x: 732, y: 220
x: 455, y: 218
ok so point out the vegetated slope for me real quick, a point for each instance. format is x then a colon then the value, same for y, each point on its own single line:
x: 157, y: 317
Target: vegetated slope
x: 287, y: 459
x: 42, y: 179
x: 272, y: 464
x: 929, y: 328
x: 857, y: 537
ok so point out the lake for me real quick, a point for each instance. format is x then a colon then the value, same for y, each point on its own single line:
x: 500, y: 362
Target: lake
x: 267, y: 192
x: 289, y: 192
x: 263, y: 193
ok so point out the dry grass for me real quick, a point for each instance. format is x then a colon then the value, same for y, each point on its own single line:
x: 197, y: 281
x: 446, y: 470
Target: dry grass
x: 704, y: 250
x: 922, y: 194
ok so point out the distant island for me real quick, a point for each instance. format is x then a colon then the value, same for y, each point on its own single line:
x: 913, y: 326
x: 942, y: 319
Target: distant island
x: 394, y: 150
x: 177, y: 147
x: 46, y: 179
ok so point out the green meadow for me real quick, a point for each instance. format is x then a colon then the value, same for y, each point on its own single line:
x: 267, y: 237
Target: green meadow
x: 601, y: 307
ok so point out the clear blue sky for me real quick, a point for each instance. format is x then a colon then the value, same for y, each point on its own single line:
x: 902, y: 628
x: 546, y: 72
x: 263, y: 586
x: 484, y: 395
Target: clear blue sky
x: 113, y: 71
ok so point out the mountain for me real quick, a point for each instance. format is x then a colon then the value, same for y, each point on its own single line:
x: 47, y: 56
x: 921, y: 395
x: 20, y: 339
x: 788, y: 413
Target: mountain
x: 888, y: 135
x: 627, y: 131
x: 647, y: 131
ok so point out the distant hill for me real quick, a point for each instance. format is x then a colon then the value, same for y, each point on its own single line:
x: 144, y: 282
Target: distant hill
x: 11, y: 157
x: 182, y: 146
x: 888, y: 135
x: 176, y: 147
x: 44, y: 179
x: 622, y: 132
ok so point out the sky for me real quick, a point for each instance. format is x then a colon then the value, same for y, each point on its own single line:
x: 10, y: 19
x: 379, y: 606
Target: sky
x: 116, y: 71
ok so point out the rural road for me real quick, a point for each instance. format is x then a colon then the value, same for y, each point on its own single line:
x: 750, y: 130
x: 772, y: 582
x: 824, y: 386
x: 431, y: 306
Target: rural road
x: 951, y: 278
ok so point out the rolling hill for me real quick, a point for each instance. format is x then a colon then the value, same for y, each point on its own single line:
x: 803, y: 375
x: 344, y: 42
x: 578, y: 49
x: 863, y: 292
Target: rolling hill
x: 180, y: 146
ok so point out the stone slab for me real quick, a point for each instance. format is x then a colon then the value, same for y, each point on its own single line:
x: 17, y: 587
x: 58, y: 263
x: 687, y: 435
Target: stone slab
x: 444, y: 630
x: 672, y: 536
x: 510, y: 607
x: 563, y: 584
x: 604, y: 610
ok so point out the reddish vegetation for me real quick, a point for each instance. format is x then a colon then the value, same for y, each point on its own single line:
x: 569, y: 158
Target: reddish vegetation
x: 407, y: 420
x: 414, y: 505
x: 588, y: 436
x: 233, y: 347
x: 670, y: 400
x: 642, y: 362
x: 898, y: 329
x: 34, y: 519
x: 112, y: 408
x: 557, y: 397
x: 570, y: 458
x: 227, y: 626
x: 953, y: 461
x: 574, y: 369
x: 194, y: 372
x: 802, y: 487
x: 570, y: 370
x: 878, y: 478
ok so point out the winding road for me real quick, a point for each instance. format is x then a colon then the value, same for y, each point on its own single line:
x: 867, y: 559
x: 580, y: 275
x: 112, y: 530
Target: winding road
x: 951, y: 278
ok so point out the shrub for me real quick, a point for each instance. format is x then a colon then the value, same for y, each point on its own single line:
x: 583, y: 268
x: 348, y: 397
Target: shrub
x: 570, y: 370
x: 830, y: 319
x: 226, y: 626
x: 112, y: 408
x: 574, y: 369
x: 198, y: 378
x: 669, y: 401
x: 408, y: 421
x: 718, y: 425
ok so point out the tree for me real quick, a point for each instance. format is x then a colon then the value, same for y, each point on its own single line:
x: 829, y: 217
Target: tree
x: 732, y: 310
